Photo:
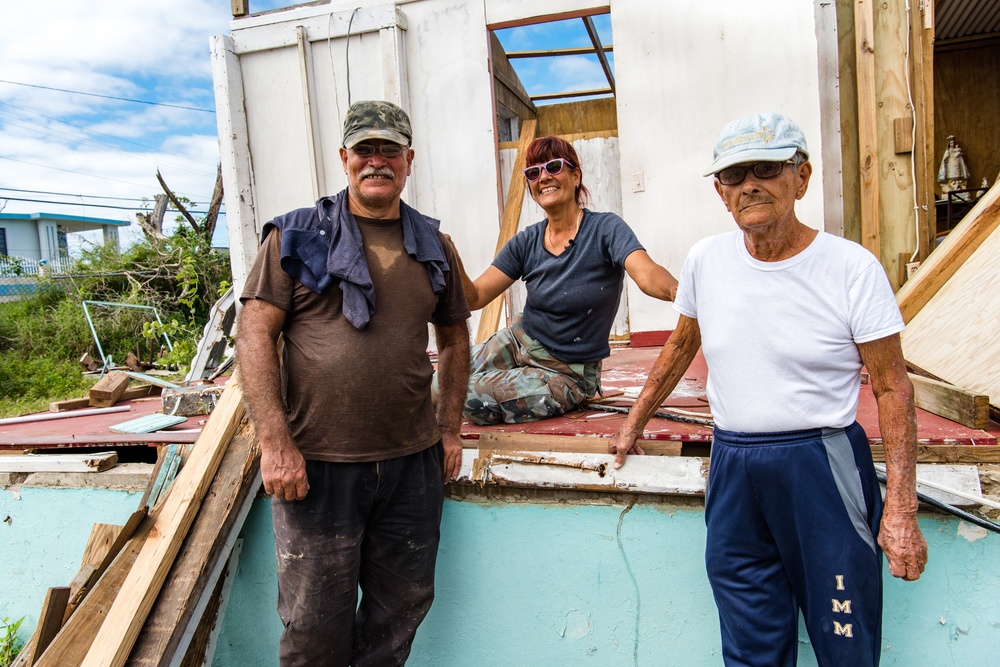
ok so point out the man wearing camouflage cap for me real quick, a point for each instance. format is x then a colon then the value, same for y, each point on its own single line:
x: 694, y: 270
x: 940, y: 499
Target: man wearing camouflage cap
x: 353, y: 453
x: 786, y: 316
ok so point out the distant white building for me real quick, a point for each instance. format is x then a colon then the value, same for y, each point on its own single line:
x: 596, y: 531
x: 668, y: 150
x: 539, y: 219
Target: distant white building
x: 42, y: 236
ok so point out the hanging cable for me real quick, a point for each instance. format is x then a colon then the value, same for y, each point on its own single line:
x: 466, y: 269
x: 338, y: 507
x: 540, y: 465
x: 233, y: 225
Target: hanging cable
x: 347, y: 55
x: 913, y: 133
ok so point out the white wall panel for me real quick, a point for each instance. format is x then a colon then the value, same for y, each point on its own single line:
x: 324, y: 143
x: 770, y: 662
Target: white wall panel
x: 683, y: 70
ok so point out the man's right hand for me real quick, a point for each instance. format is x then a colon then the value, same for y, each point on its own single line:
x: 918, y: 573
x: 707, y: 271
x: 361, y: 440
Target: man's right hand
x: 283, y: 470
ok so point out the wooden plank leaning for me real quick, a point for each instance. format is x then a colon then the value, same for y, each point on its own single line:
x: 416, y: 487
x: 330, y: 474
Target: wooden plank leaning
x: 102, y: 537
x: 200, y: 564
x: 49, y: 620
x: 946, y: 259
x: 489, y: 319
x: 77, y: 634
x: 124, y: 620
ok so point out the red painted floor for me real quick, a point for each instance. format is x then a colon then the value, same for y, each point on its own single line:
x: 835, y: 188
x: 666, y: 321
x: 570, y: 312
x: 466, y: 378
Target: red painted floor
x: 628, y: 367
x: 625, y: 370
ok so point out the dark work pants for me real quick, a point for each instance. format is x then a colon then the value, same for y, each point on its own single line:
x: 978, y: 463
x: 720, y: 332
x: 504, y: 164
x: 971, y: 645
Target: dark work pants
x: 374, y: 525
x: 792, y: 524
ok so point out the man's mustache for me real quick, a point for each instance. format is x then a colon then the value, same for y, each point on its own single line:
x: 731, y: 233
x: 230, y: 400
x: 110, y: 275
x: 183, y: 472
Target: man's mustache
x: 380, y: 171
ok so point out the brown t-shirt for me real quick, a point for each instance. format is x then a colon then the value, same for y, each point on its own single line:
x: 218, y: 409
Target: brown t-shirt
x: 355, y: 395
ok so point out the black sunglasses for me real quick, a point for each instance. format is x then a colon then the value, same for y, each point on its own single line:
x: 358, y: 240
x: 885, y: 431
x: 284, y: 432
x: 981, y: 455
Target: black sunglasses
x: 764, y: 170
x: 552, y: 166
x: 387, y: 150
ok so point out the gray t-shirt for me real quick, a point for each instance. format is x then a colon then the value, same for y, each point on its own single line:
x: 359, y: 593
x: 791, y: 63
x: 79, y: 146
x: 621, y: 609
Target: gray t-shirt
x: 572, y: 297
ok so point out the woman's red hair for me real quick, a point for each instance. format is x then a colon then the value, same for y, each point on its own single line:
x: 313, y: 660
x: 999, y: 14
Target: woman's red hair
x: 543, y: 149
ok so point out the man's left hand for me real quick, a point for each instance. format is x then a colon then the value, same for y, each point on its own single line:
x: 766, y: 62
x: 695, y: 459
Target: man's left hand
x: 903, y: 544
x: 452, y: 455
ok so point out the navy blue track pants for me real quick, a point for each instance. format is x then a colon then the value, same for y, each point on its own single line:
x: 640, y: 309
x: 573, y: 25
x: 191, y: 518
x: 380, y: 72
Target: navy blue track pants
x: 792, y: 524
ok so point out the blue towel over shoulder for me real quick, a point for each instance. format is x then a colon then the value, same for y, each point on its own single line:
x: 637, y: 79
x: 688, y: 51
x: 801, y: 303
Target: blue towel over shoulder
x: 322, y: 244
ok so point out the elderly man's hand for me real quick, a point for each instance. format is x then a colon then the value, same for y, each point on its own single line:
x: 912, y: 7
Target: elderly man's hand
x: 621, y: 445
x: 903, y: 544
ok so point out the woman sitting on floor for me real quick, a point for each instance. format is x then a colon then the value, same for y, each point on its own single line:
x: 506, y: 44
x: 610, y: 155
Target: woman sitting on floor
x: 573, y: 264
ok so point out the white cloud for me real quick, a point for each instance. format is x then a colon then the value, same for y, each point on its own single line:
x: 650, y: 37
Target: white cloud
x: 137, y: 50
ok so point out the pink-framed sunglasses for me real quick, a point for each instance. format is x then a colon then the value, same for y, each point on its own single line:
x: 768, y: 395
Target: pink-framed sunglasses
x: 553, y: 167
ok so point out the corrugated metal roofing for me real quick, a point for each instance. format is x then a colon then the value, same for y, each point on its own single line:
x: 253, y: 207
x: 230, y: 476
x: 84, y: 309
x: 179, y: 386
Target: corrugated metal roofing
x: 954, y: 19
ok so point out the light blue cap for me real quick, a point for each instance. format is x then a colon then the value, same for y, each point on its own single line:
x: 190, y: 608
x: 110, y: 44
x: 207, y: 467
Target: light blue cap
x: 761, y: 137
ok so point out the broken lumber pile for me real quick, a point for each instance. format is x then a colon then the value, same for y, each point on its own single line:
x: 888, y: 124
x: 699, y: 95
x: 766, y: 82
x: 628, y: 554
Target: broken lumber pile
x: 153, y: 596
x: 140, y: 391
x: 108, y: 390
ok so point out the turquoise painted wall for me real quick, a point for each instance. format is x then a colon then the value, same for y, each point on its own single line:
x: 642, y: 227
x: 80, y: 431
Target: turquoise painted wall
x: 42, y: 536
x: 570, y: 584
x: 537, y: 584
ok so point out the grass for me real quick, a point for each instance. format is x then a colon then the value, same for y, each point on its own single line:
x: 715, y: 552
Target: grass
x: 43, y: 336
x: 10, y: 645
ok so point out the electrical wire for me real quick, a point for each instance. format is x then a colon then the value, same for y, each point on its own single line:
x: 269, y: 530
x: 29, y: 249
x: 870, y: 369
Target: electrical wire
x: 913, y: 133
x: 950, y: 509
x: 347, y: 54
x: 68, y: 194
x: 87, y: 130
x: 109, y: 97
x: 84, y: 204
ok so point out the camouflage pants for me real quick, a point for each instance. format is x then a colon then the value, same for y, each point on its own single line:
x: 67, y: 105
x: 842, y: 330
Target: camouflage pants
x: 514, y: 379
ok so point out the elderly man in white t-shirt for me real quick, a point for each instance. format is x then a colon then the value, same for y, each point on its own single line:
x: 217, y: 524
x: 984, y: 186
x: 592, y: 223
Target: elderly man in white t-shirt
x: 787, y: 316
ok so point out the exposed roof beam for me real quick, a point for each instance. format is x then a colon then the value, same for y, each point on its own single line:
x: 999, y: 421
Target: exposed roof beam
x: 546, y: 53
x: 596, y: 39
x: 575, y: 93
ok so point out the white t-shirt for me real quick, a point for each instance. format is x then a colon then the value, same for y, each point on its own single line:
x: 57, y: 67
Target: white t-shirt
x: 780, y: 337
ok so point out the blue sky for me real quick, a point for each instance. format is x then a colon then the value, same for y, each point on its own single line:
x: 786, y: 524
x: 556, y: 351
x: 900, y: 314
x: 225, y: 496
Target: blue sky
x: 68, y: 152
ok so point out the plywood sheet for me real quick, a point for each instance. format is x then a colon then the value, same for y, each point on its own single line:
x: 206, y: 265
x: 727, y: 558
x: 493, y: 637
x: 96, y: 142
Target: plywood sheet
x: 955, y: 336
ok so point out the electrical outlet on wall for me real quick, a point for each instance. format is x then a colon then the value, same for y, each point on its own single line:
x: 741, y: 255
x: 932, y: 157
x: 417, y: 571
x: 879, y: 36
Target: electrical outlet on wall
x: 638, y: 182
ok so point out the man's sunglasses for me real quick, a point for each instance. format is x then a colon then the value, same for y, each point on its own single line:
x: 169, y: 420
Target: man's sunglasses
x: 763, y: 170
x: 552, y: 166
x: 387, y: 150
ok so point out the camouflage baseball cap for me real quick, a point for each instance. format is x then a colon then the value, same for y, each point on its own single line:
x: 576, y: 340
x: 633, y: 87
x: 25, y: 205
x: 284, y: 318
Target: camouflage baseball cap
x: 376, y: 119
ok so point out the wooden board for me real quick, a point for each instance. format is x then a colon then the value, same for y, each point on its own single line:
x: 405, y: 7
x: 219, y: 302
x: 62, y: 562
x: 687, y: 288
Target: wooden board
x: 71, y: 440
x: 955, y: 336
x: 73, y: 641
x: 864, y: 37
x: 49, y: 620
x: 944, y: 400
x: 676, y: 475
x: 489, y: 319
x: 200, y: 562
x: 954, y: 251
x: 560, y: 443
x: 598, y: 115
x: 124, y: 620
x: 108, y: 390
x: 205, y: 638
x: 131, y: 393
x: 947, y: 454
x: 102, y: 536
x: 59, y: 462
